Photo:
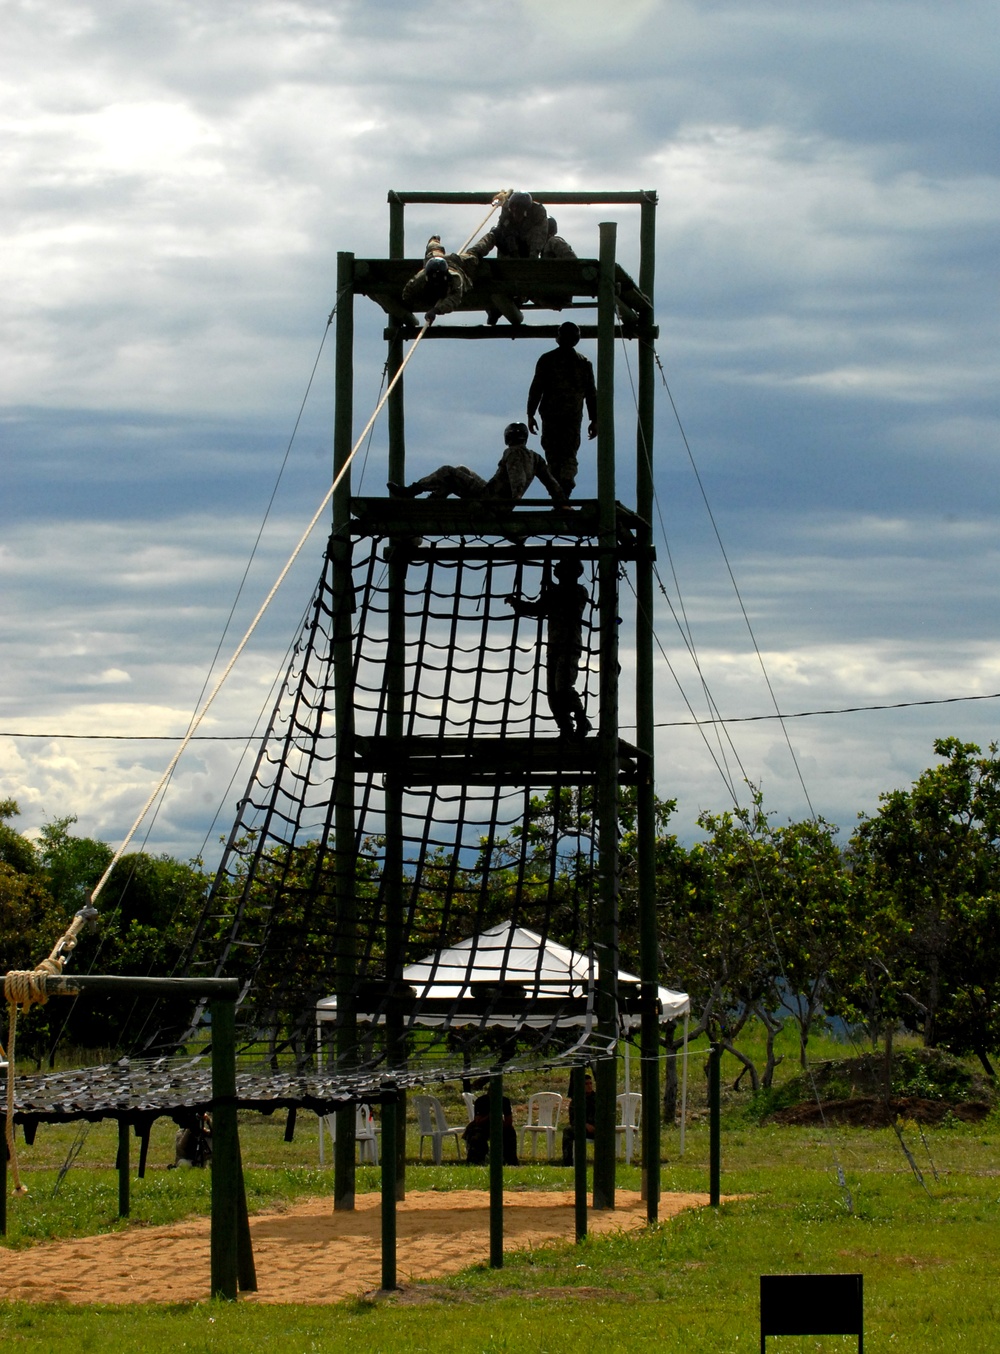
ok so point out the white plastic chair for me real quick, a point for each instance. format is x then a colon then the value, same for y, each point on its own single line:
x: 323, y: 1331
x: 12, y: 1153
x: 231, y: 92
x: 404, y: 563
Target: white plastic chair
x: 467, y: 1096
x: 630, y: 1114
x: 544, y: 1108
x: 366, y: 1133
x: 433, y: 1125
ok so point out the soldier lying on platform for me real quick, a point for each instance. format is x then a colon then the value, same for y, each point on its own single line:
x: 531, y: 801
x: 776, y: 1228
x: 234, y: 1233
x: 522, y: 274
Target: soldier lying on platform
x: 441, y: 282
x: 562, y: 384
x: 518, y: 466
x: 562, y: 604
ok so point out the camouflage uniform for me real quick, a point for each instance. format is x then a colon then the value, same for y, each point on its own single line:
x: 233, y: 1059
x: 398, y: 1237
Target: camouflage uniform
x: 562, y: 604
x: 517, y: 467
x: 423, y: 295
x: 562, y: 384
x: 516, y: 239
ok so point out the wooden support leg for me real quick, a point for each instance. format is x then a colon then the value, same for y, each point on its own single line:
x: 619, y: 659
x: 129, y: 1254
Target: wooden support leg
x: 3, y: 1175
x: 389, y: 1112
x: 124, y: 1202
x: 225, y: 1153
x: 496, y: 1171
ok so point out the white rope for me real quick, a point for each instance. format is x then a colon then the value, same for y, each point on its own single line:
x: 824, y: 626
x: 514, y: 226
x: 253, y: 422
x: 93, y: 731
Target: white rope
x: 498, y: 201
x: 196, y: 721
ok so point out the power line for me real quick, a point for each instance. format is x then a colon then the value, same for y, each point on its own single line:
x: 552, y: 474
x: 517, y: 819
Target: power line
x: 666, y: 724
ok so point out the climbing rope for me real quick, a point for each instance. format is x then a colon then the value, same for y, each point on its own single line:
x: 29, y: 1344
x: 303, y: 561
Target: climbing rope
x: 24, y: 988
x: 498, y: 201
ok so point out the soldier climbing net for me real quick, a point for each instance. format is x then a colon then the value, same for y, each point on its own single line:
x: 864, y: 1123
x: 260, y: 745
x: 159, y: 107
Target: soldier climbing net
x: 497, y: 813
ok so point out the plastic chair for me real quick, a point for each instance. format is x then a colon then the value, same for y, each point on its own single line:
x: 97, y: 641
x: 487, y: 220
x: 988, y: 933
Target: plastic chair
x: 366, y: 1133
x: 630, y: 1113
x: 433, y: 1125
x: 467, y: 1096
x: 544, y: 1108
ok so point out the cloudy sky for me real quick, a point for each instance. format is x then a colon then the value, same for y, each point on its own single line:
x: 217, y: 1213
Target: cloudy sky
x: 179, y: 178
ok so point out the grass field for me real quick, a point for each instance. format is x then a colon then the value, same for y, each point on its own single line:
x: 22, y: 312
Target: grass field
x: 928, y: 1253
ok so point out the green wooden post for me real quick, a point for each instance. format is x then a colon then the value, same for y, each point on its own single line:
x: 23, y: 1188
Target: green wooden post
x: 714, y: 1128
x: 396, y: 430
x: 578, y: 1077
x: 124, y: 1166
x: 3, y: 1172
x: 389, y: 1108
x: 645, y: 734
x: 496, y: 1170
x: 606, y: 1070
x: 343, y: 674
x: 225, y: 1152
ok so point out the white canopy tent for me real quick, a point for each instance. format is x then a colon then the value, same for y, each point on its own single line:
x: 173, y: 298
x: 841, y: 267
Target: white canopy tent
x: 513, y: 954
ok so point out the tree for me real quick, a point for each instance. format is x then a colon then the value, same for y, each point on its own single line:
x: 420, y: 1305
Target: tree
x: 928, y: 866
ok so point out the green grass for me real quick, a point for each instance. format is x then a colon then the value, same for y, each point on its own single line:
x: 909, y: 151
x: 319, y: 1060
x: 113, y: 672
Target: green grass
x: 928, y: 1258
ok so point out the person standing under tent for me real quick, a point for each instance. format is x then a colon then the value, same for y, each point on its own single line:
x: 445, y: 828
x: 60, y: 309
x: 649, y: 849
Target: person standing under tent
x: 477, y: 1131
x: 562, y: 384
x: 589, y: 1108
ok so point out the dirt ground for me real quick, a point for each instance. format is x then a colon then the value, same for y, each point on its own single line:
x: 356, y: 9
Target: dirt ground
x: 308, y: 1253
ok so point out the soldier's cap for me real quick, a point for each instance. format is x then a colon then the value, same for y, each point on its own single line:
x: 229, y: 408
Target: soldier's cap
x: 568, y: 334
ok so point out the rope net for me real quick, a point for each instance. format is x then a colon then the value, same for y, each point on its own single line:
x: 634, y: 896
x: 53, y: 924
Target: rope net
x: 473, y: 823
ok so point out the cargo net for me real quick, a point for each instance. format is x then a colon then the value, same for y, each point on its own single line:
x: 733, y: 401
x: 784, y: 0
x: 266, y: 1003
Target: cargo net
x: 474, y: 836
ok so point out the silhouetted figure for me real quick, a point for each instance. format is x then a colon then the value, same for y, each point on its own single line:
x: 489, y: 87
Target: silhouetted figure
x: 477, y: 1132
x: 562, y: 604
x: 518, y: 466
x: 590, y: 1116
x: 563, y: 383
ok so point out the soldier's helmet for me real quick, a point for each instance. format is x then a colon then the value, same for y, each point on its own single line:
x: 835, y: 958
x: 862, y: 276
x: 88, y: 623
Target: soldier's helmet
x: 568, y: 334
x: 519, y: 203
x: 553, y: 227
x: 568, y: 569
x: 436, y: 267
x: 515, y: 433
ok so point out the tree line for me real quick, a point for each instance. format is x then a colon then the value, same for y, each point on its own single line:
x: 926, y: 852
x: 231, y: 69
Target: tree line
x: 899, y: 926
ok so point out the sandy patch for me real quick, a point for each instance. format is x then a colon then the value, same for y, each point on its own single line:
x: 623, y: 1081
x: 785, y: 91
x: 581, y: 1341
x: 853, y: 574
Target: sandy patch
x: 309, y: 1253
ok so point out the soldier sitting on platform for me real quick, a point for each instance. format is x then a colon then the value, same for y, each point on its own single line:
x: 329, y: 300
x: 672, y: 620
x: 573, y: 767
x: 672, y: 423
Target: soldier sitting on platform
x: 517, y: 467
x: 555, y: 246
x: 441, y: 282
x: 562, y: 384
x: 562, y: 604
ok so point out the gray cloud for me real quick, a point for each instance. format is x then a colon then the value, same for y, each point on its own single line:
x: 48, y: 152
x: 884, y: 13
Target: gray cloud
x: 180, y: 181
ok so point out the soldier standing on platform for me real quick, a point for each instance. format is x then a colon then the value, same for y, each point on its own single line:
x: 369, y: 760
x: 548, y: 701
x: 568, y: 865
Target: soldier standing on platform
x: 441, y: 282
x: 562, y: 605
x: 562, y: 384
